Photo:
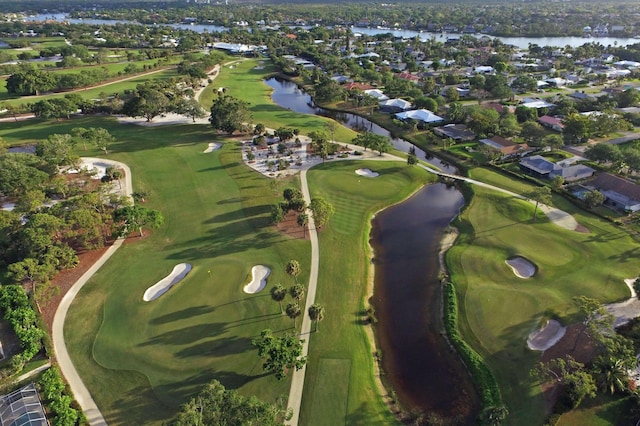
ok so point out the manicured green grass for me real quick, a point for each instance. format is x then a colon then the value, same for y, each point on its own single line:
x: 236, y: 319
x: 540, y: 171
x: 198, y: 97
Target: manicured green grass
x: 342, y: 289
x: 603, y: 410
x: 499, y: 310
x: 246, y: 83
x: 142, y: 360
x: 330, y: 408
x: 94, y: 93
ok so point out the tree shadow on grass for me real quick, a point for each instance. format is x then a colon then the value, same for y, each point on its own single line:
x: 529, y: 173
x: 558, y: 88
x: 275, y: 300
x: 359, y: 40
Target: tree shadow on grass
x: 217, y: 348
x: 225, y: 240
x: 139, y: 406
x: 186, y: 335
x: 627, y: 255
x: 181, y: 392
x: 364, y: 415
x: 242, y: 213
x: 183, y: 314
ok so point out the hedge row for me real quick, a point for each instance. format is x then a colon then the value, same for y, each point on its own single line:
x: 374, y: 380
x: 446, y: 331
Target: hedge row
x: 483, y: 378
x: 17, y: 310
x: 54, y: 391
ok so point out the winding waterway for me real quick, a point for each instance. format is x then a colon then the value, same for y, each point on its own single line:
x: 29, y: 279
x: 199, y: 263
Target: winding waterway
x: 288, y: 95
x: 426, y: 374
x: 520, y: 42
x: 421, y: 367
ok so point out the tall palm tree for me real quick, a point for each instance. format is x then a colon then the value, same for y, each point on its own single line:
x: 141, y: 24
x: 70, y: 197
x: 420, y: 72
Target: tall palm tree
x: 303, y: 221
x: 278, y: 293
x: 297, y: 292
x: 293, y: 267
x: 316, y: 313
x: 293, y: 312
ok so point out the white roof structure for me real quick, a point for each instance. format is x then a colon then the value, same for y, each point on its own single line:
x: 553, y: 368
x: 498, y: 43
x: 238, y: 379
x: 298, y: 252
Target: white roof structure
x: 536, y: 103
x: 483, y: 70
x: 423, y: 115
x: 396, y: 103
x: 376, y: 93
x: 22, y: 408
x: 627, y: 64
x: 234, y: 47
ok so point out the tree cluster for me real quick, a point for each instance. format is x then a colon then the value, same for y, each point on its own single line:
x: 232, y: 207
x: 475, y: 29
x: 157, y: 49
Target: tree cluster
x: 215, y: 405
x: 608, y: 372
x: 19, y: 313
x: 280, y: 354
x: 57, y: 398
x: 56, y: 213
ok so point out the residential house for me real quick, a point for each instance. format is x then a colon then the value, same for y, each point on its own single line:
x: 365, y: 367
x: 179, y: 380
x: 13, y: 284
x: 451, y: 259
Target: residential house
x: 408, y: 76
x: 422, y: 115
x: 553, y: 123
x: 457, y: 132
x: 540, y: 167
x: 357, y: 86
x: 536, y: 103
x: 619, y: 193
x: 506, y: 147
x: 394, y: 105
x: 484, y: 70
x: 376, y: 93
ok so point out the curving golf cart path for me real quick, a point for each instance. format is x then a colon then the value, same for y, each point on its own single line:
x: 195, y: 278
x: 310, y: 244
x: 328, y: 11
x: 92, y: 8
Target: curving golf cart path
x: 79, y: 390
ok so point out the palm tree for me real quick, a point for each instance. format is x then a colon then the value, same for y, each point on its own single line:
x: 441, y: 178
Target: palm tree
x: 278, y: 293
x: 303, y: 221
x: 293, y: 312
x: 297, y: 292
x: 611, y: 374
x: 316, y: 313
x: 293, y: 269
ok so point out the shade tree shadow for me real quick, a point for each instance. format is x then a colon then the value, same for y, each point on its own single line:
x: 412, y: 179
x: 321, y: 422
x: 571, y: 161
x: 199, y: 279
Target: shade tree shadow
x: 186, y: 335
x: 183, y: 314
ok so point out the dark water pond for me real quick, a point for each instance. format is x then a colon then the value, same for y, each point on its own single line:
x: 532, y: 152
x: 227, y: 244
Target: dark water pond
x: 425, y: 372
x: 288, y: 95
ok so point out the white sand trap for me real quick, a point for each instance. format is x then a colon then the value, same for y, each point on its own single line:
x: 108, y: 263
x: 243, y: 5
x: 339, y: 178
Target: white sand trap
x: 98, y: 168
x: 628, y: 309
x: 259, y: 274
x: 161, y: 287
x: 559, y: 217
x: 367, y: 173
x: 521, y: 267
x: 546, y: 337
x: 212, y: 147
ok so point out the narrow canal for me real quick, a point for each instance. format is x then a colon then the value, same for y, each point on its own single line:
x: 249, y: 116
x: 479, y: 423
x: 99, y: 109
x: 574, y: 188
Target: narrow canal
x: 426, y: 374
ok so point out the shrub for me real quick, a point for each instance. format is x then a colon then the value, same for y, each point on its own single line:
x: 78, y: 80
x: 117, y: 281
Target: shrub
x: 483, y: 378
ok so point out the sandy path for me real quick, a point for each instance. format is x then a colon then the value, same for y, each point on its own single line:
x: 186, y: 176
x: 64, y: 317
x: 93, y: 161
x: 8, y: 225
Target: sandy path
x: 80, y: 391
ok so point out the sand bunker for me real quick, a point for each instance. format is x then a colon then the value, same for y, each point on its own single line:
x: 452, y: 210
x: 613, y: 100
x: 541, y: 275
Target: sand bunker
x: 546, y: 337
x: 626, y: 310
x: 259, y: 274
x: 367, y: 173
x: 212, y: 147
x: 162, y: 286
x: 521, y: 267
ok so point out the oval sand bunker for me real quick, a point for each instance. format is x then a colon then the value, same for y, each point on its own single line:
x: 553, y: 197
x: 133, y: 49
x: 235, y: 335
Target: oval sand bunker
x: 259, y: 274
x: 521, y: 267
x: 161, y: 287
x: 367, y: 173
